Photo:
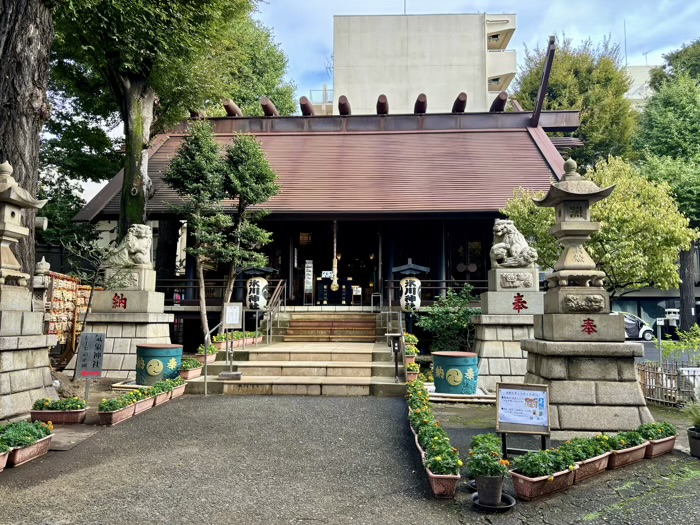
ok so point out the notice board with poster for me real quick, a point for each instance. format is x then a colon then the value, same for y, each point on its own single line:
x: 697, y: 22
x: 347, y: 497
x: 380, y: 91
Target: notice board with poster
x: 522, y: 408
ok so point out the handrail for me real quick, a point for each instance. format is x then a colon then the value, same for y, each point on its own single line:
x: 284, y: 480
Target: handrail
x: 277, y: 301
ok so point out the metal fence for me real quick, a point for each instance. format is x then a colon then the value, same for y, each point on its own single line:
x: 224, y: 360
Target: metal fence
x: 669, y: 383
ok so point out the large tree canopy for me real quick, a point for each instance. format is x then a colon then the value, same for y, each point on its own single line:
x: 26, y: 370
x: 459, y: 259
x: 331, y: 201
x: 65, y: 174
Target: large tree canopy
x: 685, y: 60
x: 589, y: 78
x: 641, y: 232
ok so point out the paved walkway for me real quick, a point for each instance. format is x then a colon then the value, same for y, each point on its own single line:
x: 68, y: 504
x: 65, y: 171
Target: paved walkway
x: 302, y: 460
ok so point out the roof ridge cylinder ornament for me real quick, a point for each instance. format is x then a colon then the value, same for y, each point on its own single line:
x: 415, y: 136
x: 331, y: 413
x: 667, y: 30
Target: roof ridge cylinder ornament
x: 307, y: 108
x: 232, y: 109
x: 12, y: 200
x: 460, y: 103
x: 382, y: 105
x: 421, y: 105
x: 344, y: 106
x: 268, y: 107
x: 499, y: 103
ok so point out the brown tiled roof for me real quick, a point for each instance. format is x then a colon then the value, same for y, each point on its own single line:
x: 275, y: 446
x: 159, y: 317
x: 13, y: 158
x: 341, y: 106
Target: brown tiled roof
x: 376, y: 172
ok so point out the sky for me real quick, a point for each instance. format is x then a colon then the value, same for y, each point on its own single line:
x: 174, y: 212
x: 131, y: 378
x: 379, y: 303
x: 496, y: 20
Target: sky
x: 304, y: 28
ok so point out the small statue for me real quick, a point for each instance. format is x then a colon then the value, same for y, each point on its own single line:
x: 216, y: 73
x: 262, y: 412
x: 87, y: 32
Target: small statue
x: 510, y: 249
x: 134, y: 250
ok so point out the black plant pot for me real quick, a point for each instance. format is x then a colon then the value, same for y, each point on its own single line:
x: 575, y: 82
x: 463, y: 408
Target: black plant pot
x: 694, y: 440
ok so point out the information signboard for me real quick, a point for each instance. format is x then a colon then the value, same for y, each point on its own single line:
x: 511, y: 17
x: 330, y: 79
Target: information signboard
x: 309, y: 277
x: 522, y: 408
x: 233, y: 315
x: 327, y: 274
x: 90, y: 353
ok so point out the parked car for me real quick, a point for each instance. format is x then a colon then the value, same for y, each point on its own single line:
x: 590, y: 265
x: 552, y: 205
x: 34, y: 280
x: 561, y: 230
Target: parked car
x: 636, y: 327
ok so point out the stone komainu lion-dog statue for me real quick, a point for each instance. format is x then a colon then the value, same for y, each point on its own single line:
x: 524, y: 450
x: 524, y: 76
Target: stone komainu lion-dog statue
x: 134, y: 250
x: 510, y: 249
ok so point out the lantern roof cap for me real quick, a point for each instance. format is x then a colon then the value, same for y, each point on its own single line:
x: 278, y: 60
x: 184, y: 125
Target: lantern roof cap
x: 573, y: 187
x: 10, y: 192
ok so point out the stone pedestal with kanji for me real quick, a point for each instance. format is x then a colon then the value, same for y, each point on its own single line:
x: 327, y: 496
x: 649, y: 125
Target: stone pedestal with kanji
x: 25, y: 371
x: 133, y: 314
x: 578, y: 348
x: 507, y: 309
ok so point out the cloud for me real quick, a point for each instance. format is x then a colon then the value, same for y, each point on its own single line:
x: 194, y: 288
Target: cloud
x: 304, y: 28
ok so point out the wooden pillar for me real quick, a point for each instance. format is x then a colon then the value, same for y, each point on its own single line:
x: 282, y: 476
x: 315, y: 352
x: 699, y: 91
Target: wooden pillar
x: 442, y: 275
x: 290, y: 278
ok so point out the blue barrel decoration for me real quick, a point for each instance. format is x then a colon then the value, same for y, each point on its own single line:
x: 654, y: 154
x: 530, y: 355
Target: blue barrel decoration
x: 455, y: 372
x: 155, y: 362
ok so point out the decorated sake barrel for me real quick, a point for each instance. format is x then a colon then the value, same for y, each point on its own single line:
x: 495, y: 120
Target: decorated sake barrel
x: 156, y: 362
x: 455, y: 372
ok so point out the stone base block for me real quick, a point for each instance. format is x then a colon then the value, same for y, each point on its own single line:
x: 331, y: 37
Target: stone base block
x: 512, y: 303
x: 128, y: 301
x: 514, y: 279
x: 593, y: 387
x: 576, y: 299
x: 15, y: 298
x: 134, y: 278
x: 25, y: 373
x: 580, y: 327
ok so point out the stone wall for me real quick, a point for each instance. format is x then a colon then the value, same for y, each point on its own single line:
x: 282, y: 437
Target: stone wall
x: 25, y: 372
x: 497, y: 342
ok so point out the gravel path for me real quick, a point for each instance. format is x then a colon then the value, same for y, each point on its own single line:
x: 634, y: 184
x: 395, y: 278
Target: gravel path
x: 304, y: 460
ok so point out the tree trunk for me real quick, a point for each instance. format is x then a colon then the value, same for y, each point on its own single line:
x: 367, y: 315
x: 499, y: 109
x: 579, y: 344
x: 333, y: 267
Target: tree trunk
x: 202, y: 301
x: 228, y: 291
x: 137, y: 112
x: 687, y: 290
x: 26, y: 33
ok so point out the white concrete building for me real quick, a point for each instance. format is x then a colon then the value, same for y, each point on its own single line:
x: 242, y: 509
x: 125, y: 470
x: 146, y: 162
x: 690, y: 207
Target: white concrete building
x: 401, y: 56
x: 639, y: 89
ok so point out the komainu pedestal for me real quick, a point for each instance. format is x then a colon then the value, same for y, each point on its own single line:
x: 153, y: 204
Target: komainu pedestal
x: 507, y: 308
x: 133, y: 314
x: 579, y: 349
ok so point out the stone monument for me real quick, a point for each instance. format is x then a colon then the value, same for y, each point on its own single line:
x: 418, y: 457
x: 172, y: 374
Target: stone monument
x: 508, y: 307
x: 25, y: 372
x: 579, y: 349
x: 133, y: 313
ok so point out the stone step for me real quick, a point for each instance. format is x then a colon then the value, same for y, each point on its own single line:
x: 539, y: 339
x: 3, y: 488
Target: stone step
x: 302, y: 385
x: 331, y: 331
x: 302, y: 354
x: 331, y: 316
x: 330, y: 338
x: 301, y: 323
x: 306, y: 368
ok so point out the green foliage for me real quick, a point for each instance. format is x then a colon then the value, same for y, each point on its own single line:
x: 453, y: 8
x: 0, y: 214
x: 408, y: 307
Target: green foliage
x: 72, y: 403
x: 211, y: 349
x: 670, y: 121
x: 22, y: 433
x: 411, y: 350
x: 190, y: 363
x: 543, y: 463
x: 63, y: 203
x: 589, y: 78
x: 219, y: 338
x: 487, y: 463
x: 449, y: 319
x: 693, y: 412
x: 4, y: 449
x: 658, y: 430
x: 625, y: 440
x: 641, y: 233
x: 685, y: 60
x: 111, y: 405
x: 410, y: 339
x: 486, y: 442
x: 688, y: 343
x: 413, y: 367
x: 582, y: 449
x: 427, y: 376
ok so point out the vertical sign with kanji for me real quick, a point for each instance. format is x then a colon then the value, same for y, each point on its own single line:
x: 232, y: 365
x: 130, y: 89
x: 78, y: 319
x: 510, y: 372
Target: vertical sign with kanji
x: 90, y: 353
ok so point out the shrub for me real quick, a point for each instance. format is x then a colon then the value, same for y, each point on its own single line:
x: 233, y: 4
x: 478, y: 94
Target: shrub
x: 411, y: 350
x: 484, y: 463
x: 71, y: 403
x: 111, y: 405
x: 211, y: 349
x: 190, y: 363
x: 413, y: 367
x: 658, y: 430
x: 219, y: 338
x: 543, y: 463
x: 449, y: 319
x: 22, y: 433
x: 625, y: 440
x: 582, y: 449
x: 410, y: 339
x: 4, y: 449
x: 427, y: 376
x: 693, y: 411
x: 486, y: 443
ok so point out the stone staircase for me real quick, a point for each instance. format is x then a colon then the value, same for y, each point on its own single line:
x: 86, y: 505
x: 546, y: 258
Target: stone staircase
x: 333, y: 327
x: 332, y: 368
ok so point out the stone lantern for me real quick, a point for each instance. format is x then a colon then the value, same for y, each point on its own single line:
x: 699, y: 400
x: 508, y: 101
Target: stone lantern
x: 12, y: 200
x: 579, y: 349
